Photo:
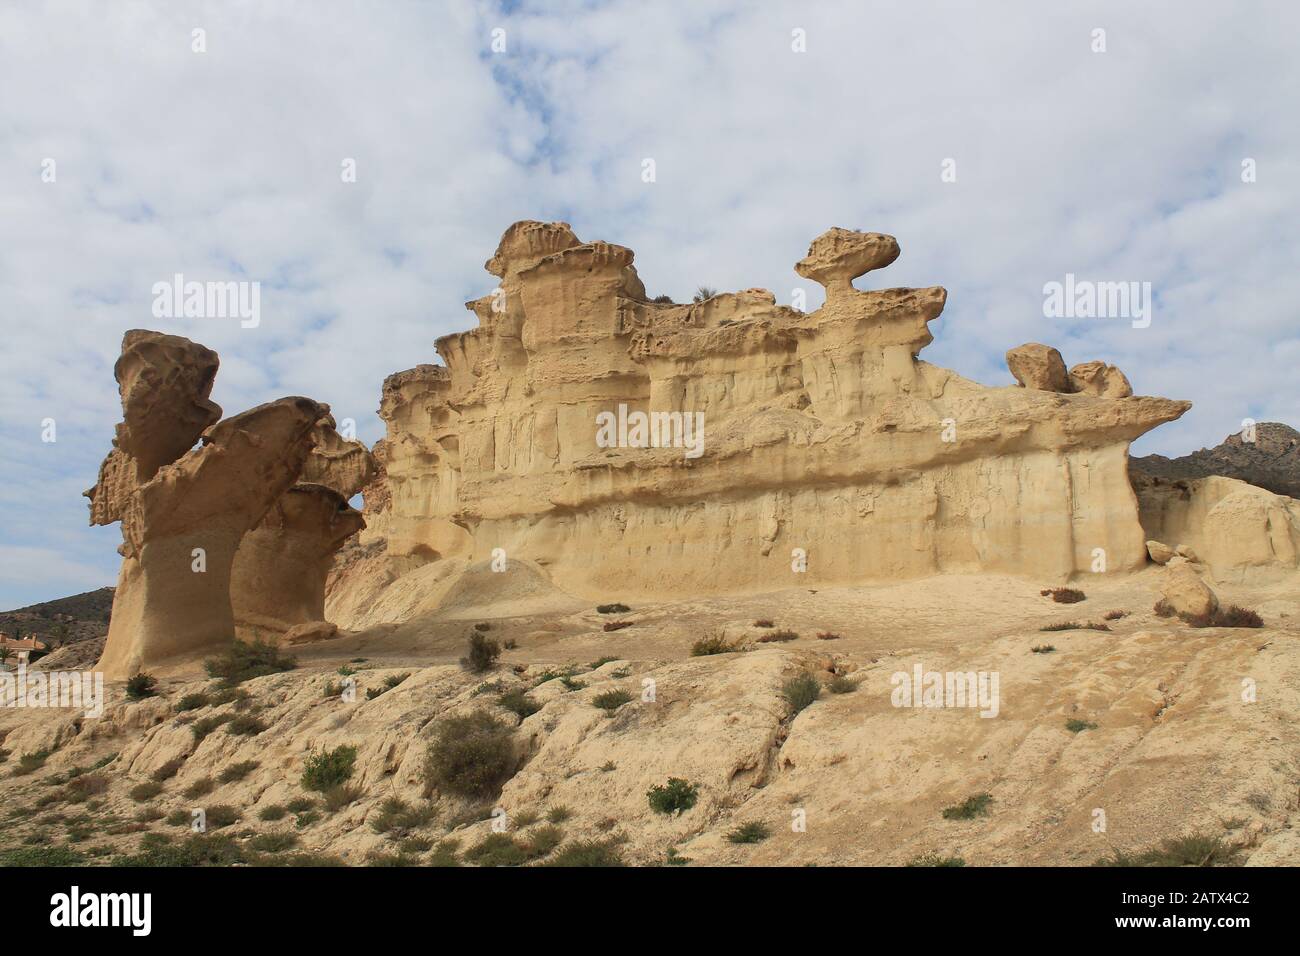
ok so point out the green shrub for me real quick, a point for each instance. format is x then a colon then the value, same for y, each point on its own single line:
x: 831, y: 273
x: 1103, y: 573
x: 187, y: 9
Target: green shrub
x: 396, y: 817
x: 1194, y: 850
x: 588, y: 853
x: 141, y: 686
x: 300, y: 805
x: 601, y: 662
x: 611, y: 700
x: 237, y: 771
x: 179, y: 818
x: 30, y: 763
x: 1074, y: 725
x: 328, y: 768
x: 340, y: 796
x: 42, y: 856
x: 205, y: 725
x: 543, y: 840
x: 971, y: 807
x: 708, y: 646
x: 801, y: 691
x: 677, y: 796
x: 246, y: 661
x: 559, y: 814
x: 145, y: 791
x: 168, y: 770
x: 518, y: 702
x: 222, y: 815
x: 839, y: 684
x: 276, y: 842
x: 84, y: 786
x: 470, y: 756
x: 199, y: 788
x: 482, y: 653
x: 935, y: 859
x: 444, y: 854
x: 272, y: 813
x: 197, y: 849
x: 497, y: 849
x: 245, y: 725
x: 192, y: 702
x: 755, y: 831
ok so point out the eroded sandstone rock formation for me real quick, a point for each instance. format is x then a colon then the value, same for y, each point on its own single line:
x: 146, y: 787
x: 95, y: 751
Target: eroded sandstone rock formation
x: 827, y: 443
x: 278, y: 581
x: 184, y: 509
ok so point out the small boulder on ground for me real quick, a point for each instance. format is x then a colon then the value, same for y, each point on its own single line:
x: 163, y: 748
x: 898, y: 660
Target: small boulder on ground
x: 1159, y: 552
x: 310, y: 632
x: 1186, y: 592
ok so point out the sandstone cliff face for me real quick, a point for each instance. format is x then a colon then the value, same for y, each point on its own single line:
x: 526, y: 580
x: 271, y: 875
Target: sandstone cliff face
x: 1239, y: 531
x: 278, y: 580
x: 184, y: 512
x: 789, y: 436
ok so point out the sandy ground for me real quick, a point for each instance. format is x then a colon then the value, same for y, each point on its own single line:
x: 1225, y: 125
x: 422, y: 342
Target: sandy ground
x: 1189, y: 731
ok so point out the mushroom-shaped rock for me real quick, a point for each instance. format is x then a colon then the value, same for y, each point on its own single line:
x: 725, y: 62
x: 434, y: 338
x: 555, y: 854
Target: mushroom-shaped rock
x: 164, y: 382
x: 526, y: 243
x: 1038, y: 366
x: 838, y: 256
x: 1100, y: 379
x: 182, y: 527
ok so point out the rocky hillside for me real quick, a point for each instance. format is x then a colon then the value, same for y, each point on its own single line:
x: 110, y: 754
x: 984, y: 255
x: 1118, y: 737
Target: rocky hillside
x: 68, y: 620
x: 1272, y: 461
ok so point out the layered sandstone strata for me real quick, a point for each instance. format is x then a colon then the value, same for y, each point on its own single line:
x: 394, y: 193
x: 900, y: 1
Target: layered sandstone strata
x: 184, y: 509
x: 830, y: 452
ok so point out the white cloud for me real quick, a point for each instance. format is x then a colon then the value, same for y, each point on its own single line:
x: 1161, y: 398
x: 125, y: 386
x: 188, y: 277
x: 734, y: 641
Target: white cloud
x: 1122, y: 165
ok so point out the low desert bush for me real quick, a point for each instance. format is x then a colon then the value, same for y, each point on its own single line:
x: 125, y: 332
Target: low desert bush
x: 801, y: 691
x: 245, y: 725
x: 779, y: 636
x: 481, y: 653
x: 497, y: 849
x: 611, y: 700
x: 470, y: 756
x: 397, y: 817
x: 1075, y: 626
x: 587, y: 853
x: 246, y: 661
x: 1194, y: 850
x: 518, y: 702
x: 145, y: 791
x: 676, y: 796
x: 755, y: 831
x: 1114, y: 615
x: 1042, y: 649
x: 192, y: 702
x: 935, y: 859
x: 272, y: 813
x: 199, y: 788
x: 612, y: 609
x: 827, y: 636
x: 237, y: 771
x: 708, y: 646
x: 1074, y: 725
x: 141, y: 686
x: 168, y: 770
x: 617, y: 625
x: 324, y: 769
x: 1064, y: 595
x: 839, y: 684
x: 970, y: 808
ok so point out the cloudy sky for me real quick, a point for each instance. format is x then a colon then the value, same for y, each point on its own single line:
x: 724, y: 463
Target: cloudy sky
x: 1122, y: 165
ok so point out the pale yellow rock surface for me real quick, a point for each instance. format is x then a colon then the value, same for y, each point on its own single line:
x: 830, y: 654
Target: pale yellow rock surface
x: 1098, y: 378
x: 1039, y: 367
x: 1175, y: 750
x: 1240, y: 532
x: 830, y: 453
x: 1159, y: 552
x: 1185, y: 591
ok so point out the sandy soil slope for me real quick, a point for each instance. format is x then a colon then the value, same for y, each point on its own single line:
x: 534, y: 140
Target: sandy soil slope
x: 1175, y: 750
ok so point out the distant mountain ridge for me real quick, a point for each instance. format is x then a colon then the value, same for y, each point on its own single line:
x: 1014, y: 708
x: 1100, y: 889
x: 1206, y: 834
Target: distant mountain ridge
x: 64, y: 620
x: 1271, y: 461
